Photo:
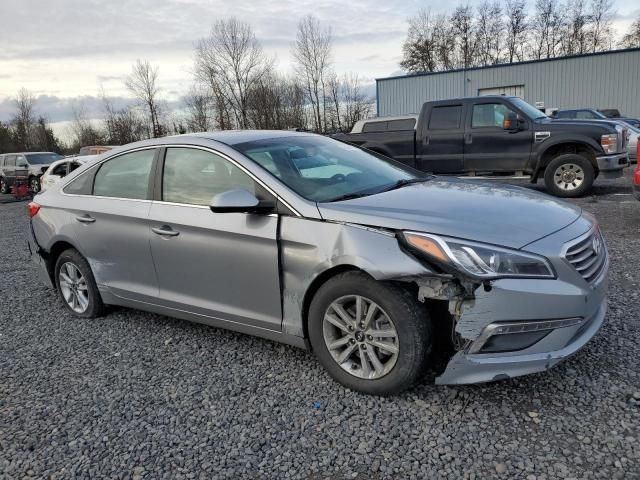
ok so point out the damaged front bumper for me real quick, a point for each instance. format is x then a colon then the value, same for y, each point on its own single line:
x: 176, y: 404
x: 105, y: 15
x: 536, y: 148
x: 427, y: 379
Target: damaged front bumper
x: 523, y: 326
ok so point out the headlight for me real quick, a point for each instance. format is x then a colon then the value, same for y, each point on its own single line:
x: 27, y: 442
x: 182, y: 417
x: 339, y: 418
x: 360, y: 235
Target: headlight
x: 479, y: 260
x: 609, y: 143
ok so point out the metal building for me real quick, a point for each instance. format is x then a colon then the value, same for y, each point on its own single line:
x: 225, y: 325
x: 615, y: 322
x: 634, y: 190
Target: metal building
x: 598, y: 80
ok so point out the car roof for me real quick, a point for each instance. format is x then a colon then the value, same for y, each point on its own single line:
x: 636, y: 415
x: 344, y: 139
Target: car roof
x: 234, y: 137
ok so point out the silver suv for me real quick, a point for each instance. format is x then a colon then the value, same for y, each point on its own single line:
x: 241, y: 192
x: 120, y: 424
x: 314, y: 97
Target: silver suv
x: 30, y: 165
x: 316, y: 243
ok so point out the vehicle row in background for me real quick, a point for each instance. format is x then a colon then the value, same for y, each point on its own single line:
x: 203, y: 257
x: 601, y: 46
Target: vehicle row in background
x: 500, y: 134
x: 30, y: 165
x: 61, y: 168
x: 593, y: 114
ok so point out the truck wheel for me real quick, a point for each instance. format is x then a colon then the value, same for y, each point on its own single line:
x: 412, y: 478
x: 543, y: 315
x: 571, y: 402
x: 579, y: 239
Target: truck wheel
x: 4, y: 188
x: 370, y: 336
x: 569, y: 175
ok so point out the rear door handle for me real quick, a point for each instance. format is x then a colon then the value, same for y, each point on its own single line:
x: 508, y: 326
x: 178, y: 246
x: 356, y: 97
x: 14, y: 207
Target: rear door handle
x: 467, y: 138
x: 85, y: 219
x: 166, y: 231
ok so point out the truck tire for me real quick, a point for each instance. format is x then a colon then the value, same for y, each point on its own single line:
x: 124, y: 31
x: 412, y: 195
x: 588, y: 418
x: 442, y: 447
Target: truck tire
x: 569, y: 175
x: 370, y: 336
x: 4, y: 188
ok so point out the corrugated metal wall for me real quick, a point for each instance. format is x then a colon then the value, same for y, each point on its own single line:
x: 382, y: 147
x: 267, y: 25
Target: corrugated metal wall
x: 610, y: 80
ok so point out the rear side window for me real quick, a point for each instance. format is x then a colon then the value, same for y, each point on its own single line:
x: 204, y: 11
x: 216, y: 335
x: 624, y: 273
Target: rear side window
x: 125, y: 176
x: 60, y: 170
x: 444, y: 118
x: 405, y: 124
x: 82, y: 184
x: 375, y: 127
x: 10, y: 161
x: 585, y: 115
x: 565, y: 114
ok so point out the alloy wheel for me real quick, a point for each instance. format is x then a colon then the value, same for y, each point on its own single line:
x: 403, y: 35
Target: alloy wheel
x: 360, y: 337
x: 73, y: 287
x: 35, y: 185
x: 568, y: 176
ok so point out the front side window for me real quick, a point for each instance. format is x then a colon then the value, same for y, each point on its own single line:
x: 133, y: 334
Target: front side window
x: 488, y: 115
x: 322, y: 170
x: 444, y: 118
x: 125, y: 176
x: 194, y: 176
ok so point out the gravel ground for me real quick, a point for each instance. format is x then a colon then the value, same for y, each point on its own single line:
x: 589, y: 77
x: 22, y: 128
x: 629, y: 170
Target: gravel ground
x: 137, y: 395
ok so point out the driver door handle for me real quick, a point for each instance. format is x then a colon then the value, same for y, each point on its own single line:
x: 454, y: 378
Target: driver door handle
x: 165, y: 231
x: 85, y: 219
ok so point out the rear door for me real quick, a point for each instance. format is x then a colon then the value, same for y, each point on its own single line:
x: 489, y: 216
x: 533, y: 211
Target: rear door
x: 220, y: 265
x: 439, y: 141
x: 111, y: 224
x: 488, y: 146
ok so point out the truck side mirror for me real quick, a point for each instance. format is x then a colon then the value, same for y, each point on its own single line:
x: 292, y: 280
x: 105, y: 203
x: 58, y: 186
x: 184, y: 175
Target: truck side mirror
x: 511, y: 122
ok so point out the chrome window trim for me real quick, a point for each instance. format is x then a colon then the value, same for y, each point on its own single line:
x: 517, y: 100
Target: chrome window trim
x: 167, y: 146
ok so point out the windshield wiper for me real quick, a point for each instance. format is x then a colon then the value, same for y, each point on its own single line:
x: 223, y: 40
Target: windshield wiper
x: 349, y: 196
x: 404, y: 182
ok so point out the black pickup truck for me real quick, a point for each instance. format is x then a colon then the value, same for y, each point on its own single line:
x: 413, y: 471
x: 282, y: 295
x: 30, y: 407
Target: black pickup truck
x: 500, y: 134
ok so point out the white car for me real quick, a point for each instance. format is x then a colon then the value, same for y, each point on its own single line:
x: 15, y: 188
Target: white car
x: 61, y: 168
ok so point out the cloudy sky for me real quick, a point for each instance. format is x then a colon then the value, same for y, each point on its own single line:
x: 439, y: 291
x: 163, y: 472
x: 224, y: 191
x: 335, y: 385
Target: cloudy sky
x: 64, y: 50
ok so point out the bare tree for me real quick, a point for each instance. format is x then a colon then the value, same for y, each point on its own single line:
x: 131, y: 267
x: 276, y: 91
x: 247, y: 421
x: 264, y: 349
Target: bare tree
x: 631, y: 39
x: 199, y: 105
x: 489, y: 33
x: 355, y: 104
x: 601, y: 32
x: 462, y: 23
x: 231, y: 61
x: 122, y: 126
x: 334, y: 99
x: 142, y: 83
x: 312, y: 54
x: 546, y: 29
x: 516, y: 14
x: 420, y: 51
x: 82, y: 130
x: 575, y: 39
x: 23, y: 120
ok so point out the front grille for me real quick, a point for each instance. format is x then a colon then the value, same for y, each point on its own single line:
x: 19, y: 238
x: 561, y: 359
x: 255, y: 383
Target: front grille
x: 588, y: 255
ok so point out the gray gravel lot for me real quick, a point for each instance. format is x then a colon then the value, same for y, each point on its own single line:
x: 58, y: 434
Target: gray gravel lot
x: 137, y: 395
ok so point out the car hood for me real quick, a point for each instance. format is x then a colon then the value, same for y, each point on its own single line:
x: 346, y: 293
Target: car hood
x: 486, y: 212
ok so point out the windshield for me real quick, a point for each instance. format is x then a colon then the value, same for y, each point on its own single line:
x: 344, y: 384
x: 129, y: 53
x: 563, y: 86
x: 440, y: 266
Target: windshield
x: 322, y: 170
x: 529, y: 110
x: 43, y: 158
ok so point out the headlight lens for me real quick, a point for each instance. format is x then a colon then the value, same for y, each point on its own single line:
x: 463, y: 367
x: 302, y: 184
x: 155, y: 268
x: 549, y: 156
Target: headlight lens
x: 479, y: 260
x: 609, y: 143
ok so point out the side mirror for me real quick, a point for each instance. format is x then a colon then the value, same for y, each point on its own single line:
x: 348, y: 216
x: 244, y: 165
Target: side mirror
x: 239, y: 201
x: 513, y: 122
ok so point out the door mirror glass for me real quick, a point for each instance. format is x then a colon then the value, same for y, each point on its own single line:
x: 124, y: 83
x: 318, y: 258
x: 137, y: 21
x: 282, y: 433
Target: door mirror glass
x: 511, y: 122
x: 239, y: 201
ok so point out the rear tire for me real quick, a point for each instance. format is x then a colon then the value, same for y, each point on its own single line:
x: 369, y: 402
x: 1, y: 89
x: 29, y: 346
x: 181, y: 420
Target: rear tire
x: 76, y: 286
x: 4, y: 188
x: 569, y: 175
x: 34, y: 184
x: 397, y: 333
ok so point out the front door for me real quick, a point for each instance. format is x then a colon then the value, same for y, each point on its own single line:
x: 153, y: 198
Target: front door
x: 220, y: 265
x: 488, y: 146
x: 111, y: 225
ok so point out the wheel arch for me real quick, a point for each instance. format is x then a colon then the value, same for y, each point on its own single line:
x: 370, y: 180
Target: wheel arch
x: 552, y: 151
x: 315, y: 285
x: 54, y: 253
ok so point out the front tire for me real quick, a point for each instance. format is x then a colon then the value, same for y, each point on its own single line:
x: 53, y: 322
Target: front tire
x: 76, y: 286
x: 371, y: 337
x: 569, y: 175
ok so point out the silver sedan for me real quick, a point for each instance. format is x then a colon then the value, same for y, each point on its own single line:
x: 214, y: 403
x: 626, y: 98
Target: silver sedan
x: 302, y: 239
